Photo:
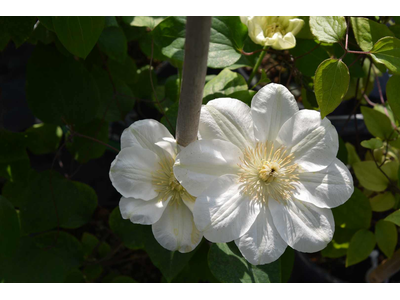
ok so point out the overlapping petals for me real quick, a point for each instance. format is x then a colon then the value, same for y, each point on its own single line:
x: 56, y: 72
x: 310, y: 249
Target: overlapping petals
x: 227, y: 208
x: 142, y: 174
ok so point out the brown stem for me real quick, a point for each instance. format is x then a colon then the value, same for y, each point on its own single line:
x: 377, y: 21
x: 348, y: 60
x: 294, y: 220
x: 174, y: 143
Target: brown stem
x: 386, y: 269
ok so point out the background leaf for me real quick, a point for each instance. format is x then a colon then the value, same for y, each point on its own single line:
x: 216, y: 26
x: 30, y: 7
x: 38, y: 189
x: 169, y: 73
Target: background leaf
x: 361, y: 245
x: 387, y: 51
x: 9, y: 228
x: 386, y: 237
x: 328, y: 29
x: 367, y: 32
x: 59, y: 87
x: 331, y: 83
x: 227, y: 265
x: 78, y: 34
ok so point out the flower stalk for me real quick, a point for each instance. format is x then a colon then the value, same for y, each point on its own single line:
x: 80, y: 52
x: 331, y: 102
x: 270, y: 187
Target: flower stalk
x: 257, y: 65
x: 194, y: 77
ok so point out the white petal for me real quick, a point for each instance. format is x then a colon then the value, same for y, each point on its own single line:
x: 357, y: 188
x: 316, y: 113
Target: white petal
x: 271, y: 107
x: 303, y: 226
x: 130, y: 173
x: 314, y: 142
x: 203, y: 161
x: 222, y: 212
x: 176, y: 230
x: 142, y: 212
x: 327, y: 188
x: 144, y: 134
x: 227, y: 119
x: 286, y: 42
x: 262, y: 244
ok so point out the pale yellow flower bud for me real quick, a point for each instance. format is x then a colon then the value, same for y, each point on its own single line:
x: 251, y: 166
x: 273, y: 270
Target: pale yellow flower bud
x: 276, y: 32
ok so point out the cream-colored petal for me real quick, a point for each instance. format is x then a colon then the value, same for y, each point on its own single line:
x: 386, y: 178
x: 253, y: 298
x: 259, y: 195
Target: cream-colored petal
x: 262, y: 244
x: 142, y: 212
x: 131, y: 173
x: 271, y: 107
x: 313, y: 142
x: 229, y: 120
x: 222, y: 212
x: 175, y: 230
x: 327, y: 188
x: 204, y: 161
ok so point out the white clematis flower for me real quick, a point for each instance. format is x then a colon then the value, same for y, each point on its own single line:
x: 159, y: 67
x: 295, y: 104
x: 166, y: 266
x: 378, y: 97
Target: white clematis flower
x: 276, y: 32
x: 143, y: 174
x: 264, y: 176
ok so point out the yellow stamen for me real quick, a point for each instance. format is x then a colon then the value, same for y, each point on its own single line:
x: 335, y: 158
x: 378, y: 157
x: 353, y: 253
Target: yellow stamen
x: 267, y: 171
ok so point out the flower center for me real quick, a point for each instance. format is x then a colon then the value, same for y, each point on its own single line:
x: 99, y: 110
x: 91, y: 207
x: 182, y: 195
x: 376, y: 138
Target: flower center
x: 268, y: 171
x: 273, y: 28
x: 168, y: 186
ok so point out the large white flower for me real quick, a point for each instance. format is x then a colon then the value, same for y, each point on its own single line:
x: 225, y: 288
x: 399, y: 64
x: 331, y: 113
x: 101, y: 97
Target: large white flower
x: 276, y: 32
x: 143, y: 174
x: 264, y: 176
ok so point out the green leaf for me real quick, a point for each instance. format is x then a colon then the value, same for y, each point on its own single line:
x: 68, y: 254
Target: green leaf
x: 335, y: 250
x: 113, y: 107
x: 369, y: 176
x: 112, y: 42
x: 143, y: 88
x: 387, y: 51
x: 378, y: 124
x: 63, y: 245
x: 169, y: 263
x: 92, y: 272
x: 227, y: 265
x: 395, y: 29
x: 110, y: 22
x: 18, y: 29
x: 13, y: 146
x: 140, y: 21
x: 382, y: 202
x: 197, y: 270
x: 227, y: 39
x: 42, y: 34
x: 355, y: 213
x: 75, y: 202
x: 328, y: 29
x: 123, y: 279
x: 394, y: 218
x: 9, y: 228
x: 139, y: 236
x: 84, y: 149
x: 308, y: 63
x: 78, y: 34
x: 130, y: 234
x: 15, y: 171
x: 32, y: 263
x: 361, y: 245
x: 367, y: 32
x: 287, y: 263
x: 223, y: 85
x: 43, y: 138
x: 339, y: 244
x: 245, y: 96
x: 393, y: 95
x: 372, y: 144
x: 331, y: 83
x: 47, y: 22
x: 90, y: 243
x: 60, y: 87
x: 47, y: 257
x: 386, y: 237
x: 352, y: 154
x: 75, y: 276
x: 263, y: 79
